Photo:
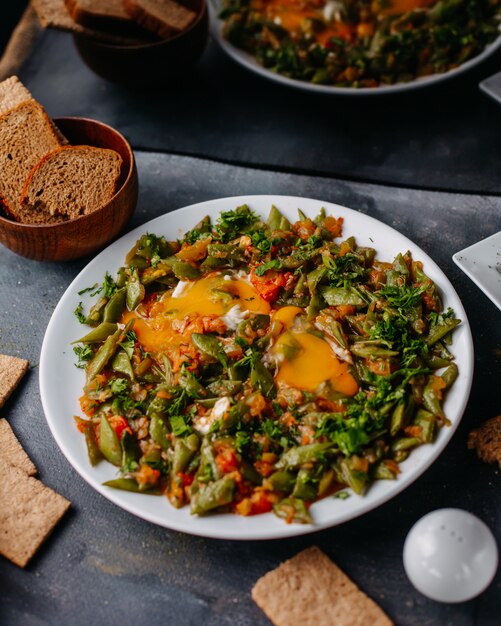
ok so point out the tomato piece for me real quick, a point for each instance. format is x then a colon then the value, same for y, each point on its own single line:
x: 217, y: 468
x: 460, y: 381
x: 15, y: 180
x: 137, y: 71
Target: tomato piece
x: 268, y: 286
x: 227, y: 461
x: 119, y: 425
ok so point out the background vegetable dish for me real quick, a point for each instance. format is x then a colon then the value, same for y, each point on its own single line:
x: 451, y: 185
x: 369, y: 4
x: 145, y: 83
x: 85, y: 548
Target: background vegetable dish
x: 360, y: 43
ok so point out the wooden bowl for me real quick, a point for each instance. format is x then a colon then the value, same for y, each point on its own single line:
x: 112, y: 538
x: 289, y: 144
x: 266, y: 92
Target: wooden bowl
x: 147, y: 64
x: 86, y: 234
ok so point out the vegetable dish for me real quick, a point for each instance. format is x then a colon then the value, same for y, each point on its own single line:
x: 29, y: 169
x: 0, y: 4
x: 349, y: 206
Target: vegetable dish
x: 257, y: 366
x: 360, y: 43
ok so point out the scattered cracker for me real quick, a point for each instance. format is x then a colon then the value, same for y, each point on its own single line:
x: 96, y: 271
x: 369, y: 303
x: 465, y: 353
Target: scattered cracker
x: 12, y: 370
x: 28, y: 513
x: 12, y: 451
x: 486, y: 440
x: 54, y: 14
x: 311, y: 590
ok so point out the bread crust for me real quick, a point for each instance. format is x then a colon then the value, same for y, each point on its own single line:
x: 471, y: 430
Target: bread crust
x: 162, y: 28
x: 25, y: 200
x: 6, y: 203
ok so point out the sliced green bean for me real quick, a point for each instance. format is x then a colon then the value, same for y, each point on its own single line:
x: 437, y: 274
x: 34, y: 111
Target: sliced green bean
x: 98, y: 334
x: 109, y: 444
x: 130, y: 484
x: 294, y: 457
x: 115, y: 306
x: 213, y: 496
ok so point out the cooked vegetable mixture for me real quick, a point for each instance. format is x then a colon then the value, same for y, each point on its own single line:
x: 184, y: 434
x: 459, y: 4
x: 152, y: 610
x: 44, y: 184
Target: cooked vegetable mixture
x: 257, y: 366
x: 361, y: 43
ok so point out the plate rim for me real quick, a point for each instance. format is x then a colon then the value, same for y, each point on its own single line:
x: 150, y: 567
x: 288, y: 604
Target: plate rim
x: 127, y: 500
x: 247, y: 61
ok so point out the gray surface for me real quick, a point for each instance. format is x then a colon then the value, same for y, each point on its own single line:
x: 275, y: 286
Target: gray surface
x: 104, y: 566
x: 442, y: 137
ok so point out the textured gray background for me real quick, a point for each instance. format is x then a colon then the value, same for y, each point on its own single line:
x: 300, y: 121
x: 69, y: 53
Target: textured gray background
x: 104, y: 566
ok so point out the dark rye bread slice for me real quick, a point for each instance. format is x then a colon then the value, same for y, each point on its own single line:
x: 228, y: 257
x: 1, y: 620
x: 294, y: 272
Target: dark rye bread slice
x: 26, y: 135
x: 13, y: 93
x: 54, y: 14
x: 69, y: 182
x: 162, y: 17
x: 109, y: 16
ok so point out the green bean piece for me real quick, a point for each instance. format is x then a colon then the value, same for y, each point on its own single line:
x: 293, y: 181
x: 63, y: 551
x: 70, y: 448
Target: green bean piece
x: 207, y: 403
x: 213, y: 496
x: 115, y: 306
x: 193, y: 442
x: 356, y: 479
x: 130, y: 484
x: 292, y: 510
x: 315, y: 277
x: 159, y: 431
x: 226, y: 252
x: 274, y: 218
x: 121, y: 364
x: 211, y: 346
x: 191, y: 385
x: 182, y: 269
x: 431, y: 400
x: 103, y: 355
x: 208, y: 459
x: 449, y: 375
x: 400, y: 266
x: 400, y: 455
x: 301, y: 215
x: 366, y: 349
x: 152, y: 457
x: 262, y: 379
x: 93, y: 451
x: 304, y: 489
x: 436, y: 362
x: 182, y: 456
x: 135, y: 291
x: 109, y: 444
x: 326, y: 482
x: 426, y: 421
x: 167, y: 373
x: 283, y: 481
x: 315, y: 306
x: 130, y: 449
x: 405, y: 444
x: 249, y: 473
x: 397, y: 418
x: 336, y: 296
x: 225, y: 387
x: 294, y: 457
x: 98, y: 334
x: 383, y: 472
x: 440, y: 330
x: 95, y: 315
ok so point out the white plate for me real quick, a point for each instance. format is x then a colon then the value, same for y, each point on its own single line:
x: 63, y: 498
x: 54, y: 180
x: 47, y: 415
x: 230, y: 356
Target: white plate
x: 482, y: 263
x: 248, y: 61
x: 61, y: 382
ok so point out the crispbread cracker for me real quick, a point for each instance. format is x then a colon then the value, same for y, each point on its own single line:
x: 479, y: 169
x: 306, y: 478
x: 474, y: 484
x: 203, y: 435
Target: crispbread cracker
x: 12, y: 370
x: 14, y: 93
x: 486, y: 440
x: 311, y: 590
x: 54, y: 14
x: 12, y: 451
x: 28, y: 513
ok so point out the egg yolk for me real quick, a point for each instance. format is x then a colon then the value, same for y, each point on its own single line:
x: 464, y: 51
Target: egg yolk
x: 212, y: 295
x: 308, y: 361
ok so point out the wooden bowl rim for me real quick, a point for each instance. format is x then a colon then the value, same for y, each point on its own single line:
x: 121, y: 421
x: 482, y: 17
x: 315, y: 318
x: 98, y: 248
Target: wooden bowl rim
x: 61, y: 225
x: 146, y: 46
